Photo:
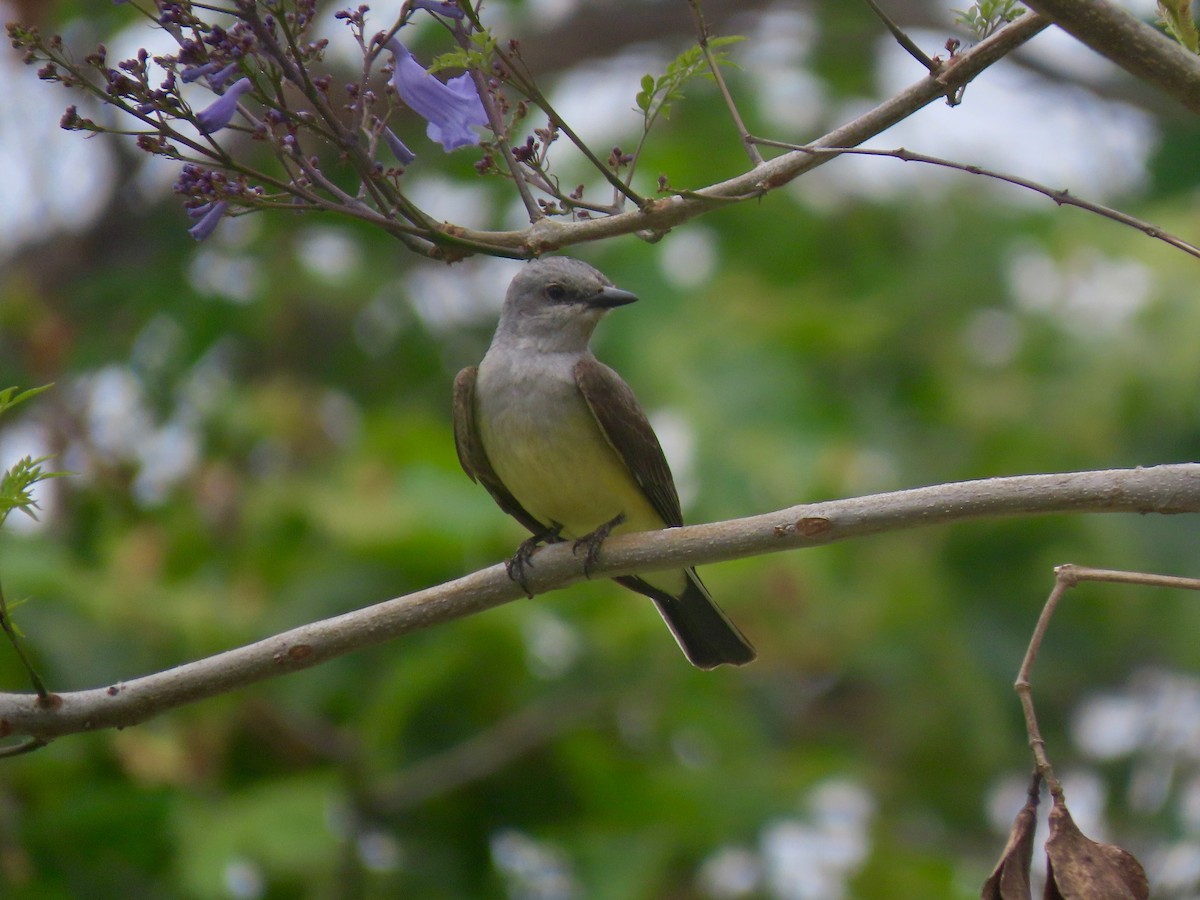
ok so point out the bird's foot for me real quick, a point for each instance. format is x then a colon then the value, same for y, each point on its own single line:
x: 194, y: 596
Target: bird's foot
x: 593, y: 542
x: 522, y: 561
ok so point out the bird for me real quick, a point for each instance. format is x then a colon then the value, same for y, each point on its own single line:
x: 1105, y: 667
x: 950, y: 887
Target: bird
x: 562, y: 445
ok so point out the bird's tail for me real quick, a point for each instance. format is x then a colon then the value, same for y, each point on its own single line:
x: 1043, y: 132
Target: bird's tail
x: 705, y: 634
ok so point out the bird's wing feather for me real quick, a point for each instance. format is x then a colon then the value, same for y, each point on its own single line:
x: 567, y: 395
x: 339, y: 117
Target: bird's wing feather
x: 473, y: 457
x: 705, y: 634
x: 628, y: 431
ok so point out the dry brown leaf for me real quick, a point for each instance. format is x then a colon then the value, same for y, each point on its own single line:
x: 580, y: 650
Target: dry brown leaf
x: 1010, y: 878
x: 1079, y: 868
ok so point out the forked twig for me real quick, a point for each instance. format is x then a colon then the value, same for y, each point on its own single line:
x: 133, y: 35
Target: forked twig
x: 1062, y: 197
x: 714, y: 67
x: 1066, y: 577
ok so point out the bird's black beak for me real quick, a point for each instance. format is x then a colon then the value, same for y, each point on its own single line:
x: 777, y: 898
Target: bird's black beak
x: 609, y: 297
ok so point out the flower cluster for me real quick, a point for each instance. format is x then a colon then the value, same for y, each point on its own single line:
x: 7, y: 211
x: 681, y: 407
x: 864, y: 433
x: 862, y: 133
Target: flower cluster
x: 250, y: 81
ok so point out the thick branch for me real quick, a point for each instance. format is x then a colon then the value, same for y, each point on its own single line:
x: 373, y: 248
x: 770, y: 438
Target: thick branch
x: 1136, y: 47
x: 1160, y: 489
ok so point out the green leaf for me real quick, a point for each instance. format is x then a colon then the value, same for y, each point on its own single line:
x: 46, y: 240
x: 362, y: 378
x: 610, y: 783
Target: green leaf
x: 646, y: 94
x: 478, y: 58
x: 988, y: 16
x: 16, y: 483
x: 10, y: 398
x: 1176, y: 16
x: 656, y: 96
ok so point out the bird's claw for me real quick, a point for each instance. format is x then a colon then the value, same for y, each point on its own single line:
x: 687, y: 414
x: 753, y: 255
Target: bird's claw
x: 594, y: 541
x: 522, y: 561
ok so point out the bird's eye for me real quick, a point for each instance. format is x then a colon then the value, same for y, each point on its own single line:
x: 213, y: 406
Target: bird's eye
x: 556, y: 292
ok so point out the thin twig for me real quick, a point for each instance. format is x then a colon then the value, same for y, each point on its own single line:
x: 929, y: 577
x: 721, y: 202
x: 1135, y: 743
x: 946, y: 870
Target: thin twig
x: 1023, y: 687
x: 1066, y: 577
x: 386, y: 196
x: 1061, y: 197
x: 1073, y: 574
x: 714, y: 67
x: 496, y: 123
x: 20, y: 749
x: 661, y: 215
x: 39, y: 687
x: 611, y: 177
x: 903, y: 39
x: 526, y: 84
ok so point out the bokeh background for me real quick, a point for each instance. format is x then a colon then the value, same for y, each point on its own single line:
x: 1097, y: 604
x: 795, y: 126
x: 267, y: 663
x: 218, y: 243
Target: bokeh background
x: 260, y: 431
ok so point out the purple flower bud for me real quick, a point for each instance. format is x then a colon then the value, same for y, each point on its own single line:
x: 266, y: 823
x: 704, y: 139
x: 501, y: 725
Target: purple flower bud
x: 192, y: 73
x: 399, y: 150
x: 220, y: 112
x: 217, y: 80
x: 210, y: 215
x: 451, y: 108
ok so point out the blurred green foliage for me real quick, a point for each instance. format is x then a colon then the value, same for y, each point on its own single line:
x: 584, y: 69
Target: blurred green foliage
x: 834, y: 350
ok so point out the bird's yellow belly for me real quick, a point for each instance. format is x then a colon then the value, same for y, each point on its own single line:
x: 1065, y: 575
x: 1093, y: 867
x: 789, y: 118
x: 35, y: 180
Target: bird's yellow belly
x: 564, y: 472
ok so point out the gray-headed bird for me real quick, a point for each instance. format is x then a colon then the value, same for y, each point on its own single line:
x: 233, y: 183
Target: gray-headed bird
x: 562, y: 445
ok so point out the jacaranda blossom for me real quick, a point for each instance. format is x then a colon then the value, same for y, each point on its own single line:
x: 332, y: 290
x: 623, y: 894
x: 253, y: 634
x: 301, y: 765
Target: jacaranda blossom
x: 209, y: 215
x: 451, y: 108
x: 441, y: 7
x: 220, y: 112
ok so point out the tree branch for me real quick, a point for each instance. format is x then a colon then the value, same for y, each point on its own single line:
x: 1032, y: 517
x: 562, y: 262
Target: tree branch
x: 659, y: 216
x: 1136, y: 47
x: 480, y: 755
x: 1161, y: 489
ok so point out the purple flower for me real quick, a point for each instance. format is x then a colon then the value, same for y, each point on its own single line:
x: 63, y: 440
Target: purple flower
x: 451, y: 108
x: 220, y: 112
x: 398, y: 147
x: 216, y: 75
x: 441, y: 7
x: 209, y: 215
x: 192, y: 73
x: 217, y: 80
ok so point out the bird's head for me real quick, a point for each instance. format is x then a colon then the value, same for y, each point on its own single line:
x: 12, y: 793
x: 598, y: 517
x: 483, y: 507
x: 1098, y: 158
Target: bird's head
x: 557, y: 302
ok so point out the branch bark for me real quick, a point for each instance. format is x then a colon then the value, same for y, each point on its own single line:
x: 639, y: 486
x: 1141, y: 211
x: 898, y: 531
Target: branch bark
x: 1163, y: 489
x: 1136, y: 47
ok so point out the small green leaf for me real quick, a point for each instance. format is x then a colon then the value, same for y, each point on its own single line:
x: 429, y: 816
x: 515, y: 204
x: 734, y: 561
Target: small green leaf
x: 988, y: 16
x: 1177, y: 18
x: 669, y: 87
x: 455, y: 59
x: 10, y: 398
x: 646, y: 95
x: 17, y: 482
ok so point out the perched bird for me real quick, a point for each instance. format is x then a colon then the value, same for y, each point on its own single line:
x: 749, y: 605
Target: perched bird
x: 561, y: 444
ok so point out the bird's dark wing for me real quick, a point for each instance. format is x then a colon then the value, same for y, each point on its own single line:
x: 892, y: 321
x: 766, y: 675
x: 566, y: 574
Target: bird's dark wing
x: 627, y: 429
x: 703, y: 631
x: 473, y: 457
